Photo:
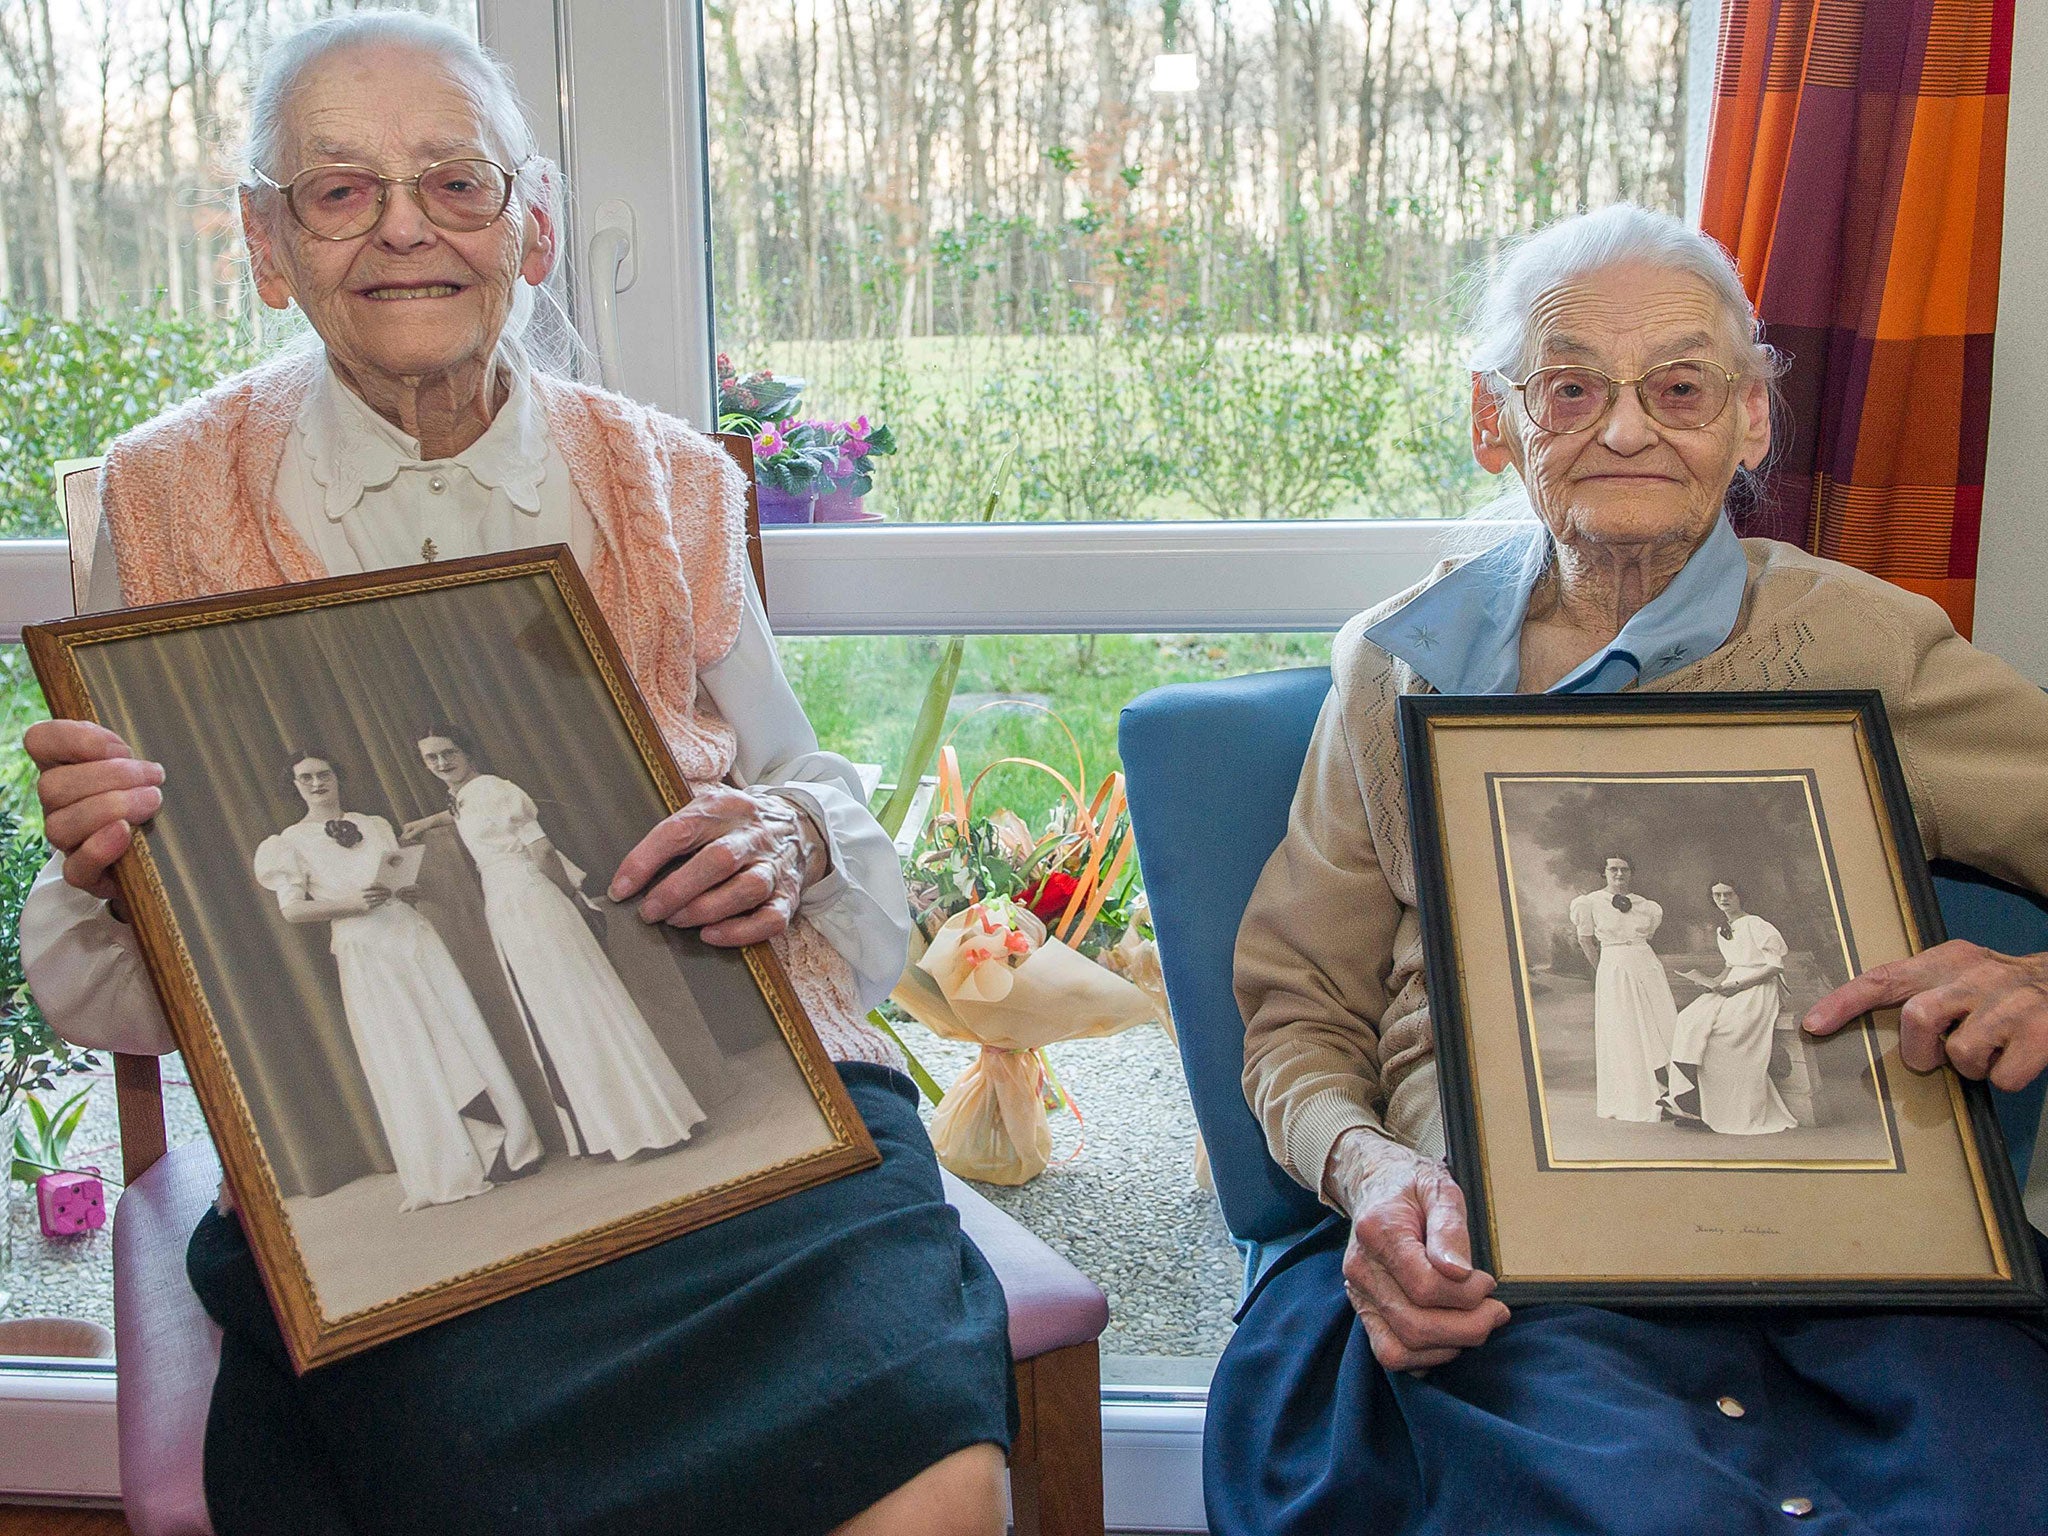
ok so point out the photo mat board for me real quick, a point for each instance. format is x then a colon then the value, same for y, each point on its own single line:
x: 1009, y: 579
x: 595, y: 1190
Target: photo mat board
x: 487, y: 1075
x: 1567, y: 1023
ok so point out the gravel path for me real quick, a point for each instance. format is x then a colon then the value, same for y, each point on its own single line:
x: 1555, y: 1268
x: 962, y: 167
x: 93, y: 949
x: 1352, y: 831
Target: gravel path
x: 1126, y: 1211
x: 74, y: 1276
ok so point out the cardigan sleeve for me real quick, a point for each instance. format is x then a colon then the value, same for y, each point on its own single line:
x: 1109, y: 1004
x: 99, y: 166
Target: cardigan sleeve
x: 1313, y: 958
x: 1972, y: 735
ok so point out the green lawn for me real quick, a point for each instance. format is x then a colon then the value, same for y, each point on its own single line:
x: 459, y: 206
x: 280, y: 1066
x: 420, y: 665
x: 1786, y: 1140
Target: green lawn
x: 862, y: 694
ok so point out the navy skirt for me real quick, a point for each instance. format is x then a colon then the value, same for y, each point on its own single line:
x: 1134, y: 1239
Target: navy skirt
x: 777, y: 1372
x: 1580, y: 1419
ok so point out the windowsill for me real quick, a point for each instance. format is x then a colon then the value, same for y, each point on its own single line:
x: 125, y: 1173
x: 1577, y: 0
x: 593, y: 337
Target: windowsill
x: 1008, y: 578
x: 1071, y: 578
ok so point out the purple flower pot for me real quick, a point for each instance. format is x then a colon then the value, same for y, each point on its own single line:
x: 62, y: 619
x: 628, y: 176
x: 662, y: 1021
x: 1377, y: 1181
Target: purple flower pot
x: 780, y: 506
x: 843, y: 506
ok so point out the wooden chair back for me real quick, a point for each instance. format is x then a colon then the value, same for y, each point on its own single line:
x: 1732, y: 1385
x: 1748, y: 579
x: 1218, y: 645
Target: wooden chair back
x: 78, y: 489
x: 138, y: 1083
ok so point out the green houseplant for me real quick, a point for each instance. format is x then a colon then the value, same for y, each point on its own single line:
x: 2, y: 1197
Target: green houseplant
x: 32, y: 1057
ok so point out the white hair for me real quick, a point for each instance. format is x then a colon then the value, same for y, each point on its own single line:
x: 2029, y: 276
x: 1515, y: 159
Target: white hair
x: 538, y: 328
x: 1498, y: 341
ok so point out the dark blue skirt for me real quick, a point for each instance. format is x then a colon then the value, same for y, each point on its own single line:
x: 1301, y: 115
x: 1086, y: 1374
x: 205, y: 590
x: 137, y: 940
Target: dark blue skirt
x: 777, y: 1372
x: 1579, y: 1419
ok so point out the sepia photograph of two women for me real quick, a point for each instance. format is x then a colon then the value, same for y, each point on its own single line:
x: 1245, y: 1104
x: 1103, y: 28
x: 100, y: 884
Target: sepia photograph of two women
x: 467, y: 1049
x: 1672, y: 932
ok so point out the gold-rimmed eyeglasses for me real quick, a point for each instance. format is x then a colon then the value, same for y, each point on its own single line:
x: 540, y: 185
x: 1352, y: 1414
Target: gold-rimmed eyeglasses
x: 340, y: 202
x: 1684, y: 394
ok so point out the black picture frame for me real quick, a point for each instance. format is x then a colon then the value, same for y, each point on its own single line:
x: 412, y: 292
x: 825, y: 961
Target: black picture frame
x: 1481, y: 1134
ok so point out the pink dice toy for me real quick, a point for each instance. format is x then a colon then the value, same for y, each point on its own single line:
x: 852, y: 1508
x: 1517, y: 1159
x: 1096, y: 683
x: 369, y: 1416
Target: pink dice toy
x: 69, y: 1203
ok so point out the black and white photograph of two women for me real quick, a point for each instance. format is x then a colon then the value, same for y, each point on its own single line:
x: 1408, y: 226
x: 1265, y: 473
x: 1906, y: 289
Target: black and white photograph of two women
x: 1671, y: 930
x: 460, y: 1049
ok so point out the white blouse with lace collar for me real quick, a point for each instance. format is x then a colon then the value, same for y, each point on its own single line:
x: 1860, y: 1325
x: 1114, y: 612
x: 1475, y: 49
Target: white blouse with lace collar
x: 354, y: 488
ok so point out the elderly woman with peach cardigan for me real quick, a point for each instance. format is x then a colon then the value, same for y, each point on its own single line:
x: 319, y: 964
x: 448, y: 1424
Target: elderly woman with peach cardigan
x: 834, y: 1361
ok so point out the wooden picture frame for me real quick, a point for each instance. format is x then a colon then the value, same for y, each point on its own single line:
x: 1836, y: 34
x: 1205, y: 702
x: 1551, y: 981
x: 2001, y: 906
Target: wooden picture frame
x: 632, y: 1082
x: 1569, y: 851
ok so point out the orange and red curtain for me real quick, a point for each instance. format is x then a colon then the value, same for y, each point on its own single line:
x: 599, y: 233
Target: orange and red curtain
x: 1857, y: 172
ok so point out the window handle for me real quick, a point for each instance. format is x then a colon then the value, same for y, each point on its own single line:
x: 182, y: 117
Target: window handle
x: 612, y: 270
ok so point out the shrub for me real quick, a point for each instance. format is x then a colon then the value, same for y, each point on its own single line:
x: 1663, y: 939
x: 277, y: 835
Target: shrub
x: 1272, y: 427
x: 68, y: 387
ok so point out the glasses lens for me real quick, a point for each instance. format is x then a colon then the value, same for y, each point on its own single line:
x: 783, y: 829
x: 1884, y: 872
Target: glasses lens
x: 336, y: 200
x: 1685, y: 393
x: 1566, y: 399
x: 464, y: 194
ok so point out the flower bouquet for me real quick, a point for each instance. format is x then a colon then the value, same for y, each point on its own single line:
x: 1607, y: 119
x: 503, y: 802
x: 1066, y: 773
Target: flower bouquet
x: 1023, y: 939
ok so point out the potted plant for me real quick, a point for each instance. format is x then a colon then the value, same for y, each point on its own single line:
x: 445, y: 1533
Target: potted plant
x: 860, y: 443
x: 792, y: 463
x: 758, y: 400
x: 32, y: 1058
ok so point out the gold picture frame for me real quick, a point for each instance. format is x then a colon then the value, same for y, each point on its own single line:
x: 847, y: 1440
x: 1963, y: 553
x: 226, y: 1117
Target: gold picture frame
x: 1628, y: 903
x: 334, y: 1071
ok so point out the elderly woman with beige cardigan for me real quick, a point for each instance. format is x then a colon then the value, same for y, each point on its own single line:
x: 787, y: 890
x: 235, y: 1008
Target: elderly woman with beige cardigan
x: 837, y: 1360
x: 1374, y: 1381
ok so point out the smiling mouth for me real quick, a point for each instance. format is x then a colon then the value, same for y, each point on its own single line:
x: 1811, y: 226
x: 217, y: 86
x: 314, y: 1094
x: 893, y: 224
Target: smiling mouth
x: 422, y: 291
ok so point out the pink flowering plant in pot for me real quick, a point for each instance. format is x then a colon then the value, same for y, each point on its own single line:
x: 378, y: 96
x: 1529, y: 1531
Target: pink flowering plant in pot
x: 792, y: 465
x: 861, y: 445
x: 747, y: 404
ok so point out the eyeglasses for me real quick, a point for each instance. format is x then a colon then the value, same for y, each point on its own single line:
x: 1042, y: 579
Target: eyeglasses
x: 1685, y: 394
x: 340, y: 202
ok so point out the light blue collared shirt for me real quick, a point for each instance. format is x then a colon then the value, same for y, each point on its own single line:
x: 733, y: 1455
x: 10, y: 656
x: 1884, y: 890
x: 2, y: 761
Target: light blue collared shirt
x: 1463, y: 633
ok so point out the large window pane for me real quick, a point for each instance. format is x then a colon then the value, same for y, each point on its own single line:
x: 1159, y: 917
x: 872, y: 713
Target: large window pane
x: 1192, y: 261
x: 1122, y: 1198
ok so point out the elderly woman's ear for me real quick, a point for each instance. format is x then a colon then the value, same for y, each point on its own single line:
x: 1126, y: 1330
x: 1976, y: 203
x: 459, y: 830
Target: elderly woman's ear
x: 1489, y: 428
x: 272, y: 286
x: 537, y: 241
x: 1754, y: 396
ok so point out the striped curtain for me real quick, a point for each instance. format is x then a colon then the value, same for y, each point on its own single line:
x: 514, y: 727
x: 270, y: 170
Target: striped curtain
x: 1857, y: 172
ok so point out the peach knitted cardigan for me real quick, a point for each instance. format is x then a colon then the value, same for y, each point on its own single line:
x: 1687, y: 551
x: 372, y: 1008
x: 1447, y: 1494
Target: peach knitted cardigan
x: 190, y: 500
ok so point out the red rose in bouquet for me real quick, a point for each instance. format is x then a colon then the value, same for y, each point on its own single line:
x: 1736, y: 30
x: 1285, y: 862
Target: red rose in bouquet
x: 1046, y: 898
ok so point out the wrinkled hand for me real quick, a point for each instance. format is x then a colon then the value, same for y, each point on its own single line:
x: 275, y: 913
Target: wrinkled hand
x: 1408, y: 1267
x: 94, y: 794
x: 746, y: 858
x: 1985, y: 1013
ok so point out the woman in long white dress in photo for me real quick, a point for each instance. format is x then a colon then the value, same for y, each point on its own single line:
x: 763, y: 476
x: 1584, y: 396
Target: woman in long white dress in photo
x: 618, y: 1091
x: 1721, y: 1051
x: 1634, y: 1014
x: 424, y: 1047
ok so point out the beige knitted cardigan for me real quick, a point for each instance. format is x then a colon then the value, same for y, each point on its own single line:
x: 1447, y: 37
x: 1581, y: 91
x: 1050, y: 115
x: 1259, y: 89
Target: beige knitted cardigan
x: 191, y: 503
x: 1329, y: 968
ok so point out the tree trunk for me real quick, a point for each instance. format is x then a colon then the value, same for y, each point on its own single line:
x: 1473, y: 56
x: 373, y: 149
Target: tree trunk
x: 50, y: 112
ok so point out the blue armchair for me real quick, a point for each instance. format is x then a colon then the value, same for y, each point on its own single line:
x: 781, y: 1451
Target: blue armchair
x: 1211, y: 770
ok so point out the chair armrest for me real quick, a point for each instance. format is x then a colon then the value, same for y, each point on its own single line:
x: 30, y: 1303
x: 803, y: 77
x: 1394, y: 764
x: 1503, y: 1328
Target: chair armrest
x: 1052, y: 1304
x: 168, y: 1349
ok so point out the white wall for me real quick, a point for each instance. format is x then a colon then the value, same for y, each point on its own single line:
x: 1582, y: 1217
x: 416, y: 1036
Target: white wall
x: 2012, y: 564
